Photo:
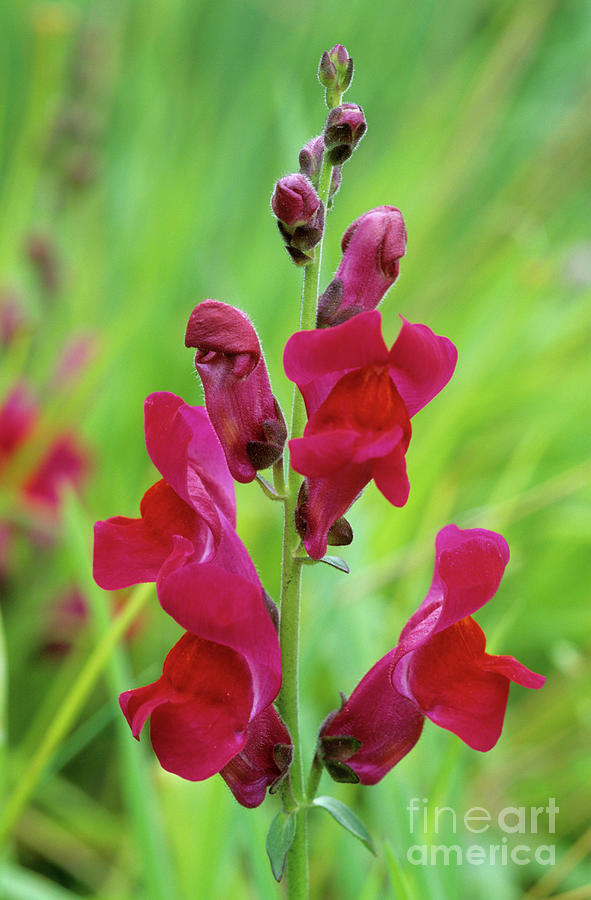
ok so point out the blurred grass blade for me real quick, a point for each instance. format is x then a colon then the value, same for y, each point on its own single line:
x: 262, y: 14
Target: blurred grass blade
x: 135, y: 780
x: 403, y: 889
x: 59, y: 727
x: 18, y: 884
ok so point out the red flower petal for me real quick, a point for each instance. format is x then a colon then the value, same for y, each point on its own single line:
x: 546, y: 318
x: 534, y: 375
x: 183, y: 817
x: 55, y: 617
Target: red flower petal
x: 186, y: 451
x: 126, y: 552
x: 421, y: 364
x: 327, y: 500
x: 324, y: 454
x: 226, y: 609
x: 469, y: 565
x: 387, y: 724
x: 316, y: 360
x: 460, y: 687
x: 389, y: 474
x: 200, y: 708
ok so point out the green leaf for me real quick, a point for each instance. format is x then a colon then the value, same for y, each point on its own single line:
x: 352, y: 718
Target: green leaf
x: 279, y: 840
x: 337, y: 563
x: 347, y: 818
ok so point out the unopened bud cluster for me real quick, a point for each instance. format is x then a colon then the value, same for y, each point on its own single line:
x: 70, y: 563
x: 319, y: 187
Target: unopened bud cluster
x: 335, y: 73
x: 299, y: 209
x: 300, y: 216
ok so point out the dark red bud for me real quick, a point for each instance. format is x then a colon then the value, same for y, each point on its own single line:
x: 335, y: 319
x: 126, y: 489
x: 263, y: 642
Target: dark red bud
x: 294, y: 200
x: 345, y: 126
x: 310, y: 158
x: 335, y: 73
x: 327, y: 72
x: 300, y: 216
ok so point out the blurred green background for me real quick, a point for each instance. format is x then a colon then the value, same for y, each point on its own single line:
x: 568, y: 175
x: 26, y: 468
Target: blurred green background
x: 140, y: 143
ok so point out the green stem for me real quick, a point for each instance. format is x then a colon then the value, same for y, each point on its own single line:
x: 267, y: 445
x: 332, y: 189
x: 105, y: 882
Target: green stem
x: 3, y: 710
x: 289, y: 633
x: 73, y: 703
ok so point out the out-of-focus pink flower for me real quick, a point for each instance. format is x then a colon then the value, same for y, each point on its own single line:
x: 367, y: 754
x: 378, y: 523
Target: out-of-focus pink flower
x: 18, y: 416
x: 67, y: 615
x: 42, y: 252
x: 438, y: 670
x: 64, y: 462
x: 372, y: 247
x: 75, y: 358
x: 241, y: 406
x: 360, y: 398
x: 13, y: 319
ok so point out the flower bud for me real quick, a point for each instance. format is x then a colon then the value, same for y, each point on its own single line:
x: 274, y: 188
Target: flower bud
x: 262, y: 763
x: 300, y: 216
x: 243, y: 411
x: 372, y: 247
x: 345, y: 126
x: 294, y: 200
x: 335, y: 73
x: 310, y: 158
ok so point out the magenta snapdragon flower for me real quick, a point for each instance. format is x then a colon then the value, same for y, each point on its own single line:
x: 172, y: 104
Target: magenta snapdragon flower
x: 243, y: 411
x: 360, y: 398
x: 372, y: 248
x: 439, y: 669
x: 225, y: 671
x: 194, y: 499
x: 220, y: 676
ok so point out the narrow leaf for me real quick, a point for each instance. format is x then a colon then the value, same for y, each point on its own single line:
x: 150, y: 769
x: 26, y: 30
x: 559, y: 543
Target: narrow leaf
x: 347, y: 818
x: 337, y: 563
x: 403, y: 889
x: 279, y: 840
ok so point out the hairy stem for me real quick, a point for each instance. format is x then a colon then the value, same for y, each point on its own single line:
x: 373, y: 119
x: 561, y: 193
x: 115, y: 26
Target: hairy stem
x: 297, y: 860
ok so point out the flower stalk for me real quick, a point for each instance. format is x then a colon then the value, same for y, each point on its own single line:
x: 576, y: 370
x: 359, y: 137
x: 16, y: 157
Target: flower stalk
x: 291, y: 583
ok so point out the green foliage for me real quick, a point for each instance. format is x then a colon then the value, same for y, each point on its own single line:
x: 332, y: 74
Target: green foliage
x: 347, y: 819
x: 279, y: 839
